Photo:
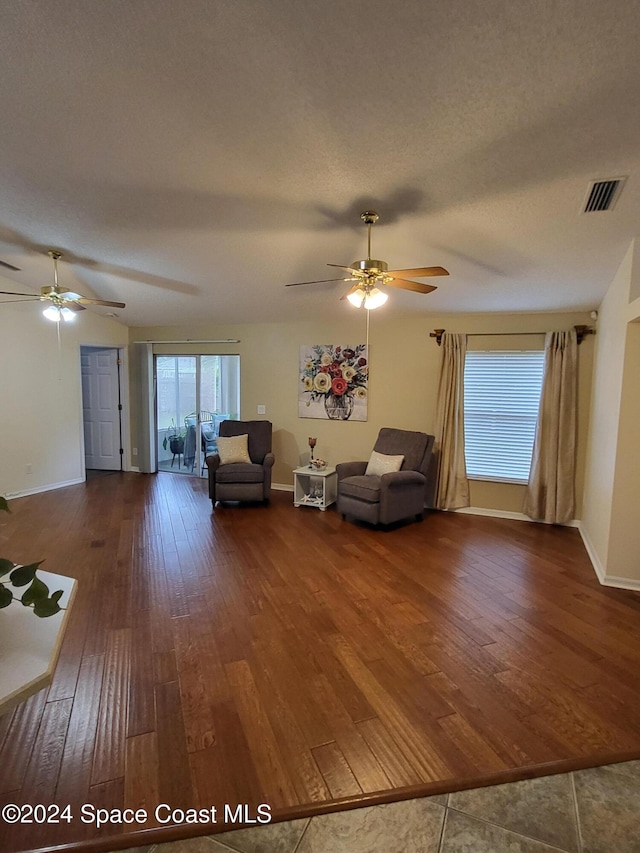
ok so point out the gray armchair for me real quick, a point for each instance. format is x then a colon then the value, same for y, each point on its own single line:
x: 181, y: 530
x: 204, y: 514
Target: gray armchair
x: 393, y: 496
x: 243, y: 481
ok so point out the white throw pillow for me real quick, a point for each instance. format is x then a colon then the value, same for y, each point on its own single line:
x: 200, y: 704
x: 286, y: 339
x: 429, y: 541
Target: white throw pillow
x: 381, y: 463
x: 233, y: 449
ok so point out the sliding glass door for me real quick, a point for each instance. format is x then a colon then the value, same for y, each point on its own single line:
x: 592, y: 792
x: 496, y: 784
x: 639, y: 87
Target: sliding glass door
x: 194, y: 394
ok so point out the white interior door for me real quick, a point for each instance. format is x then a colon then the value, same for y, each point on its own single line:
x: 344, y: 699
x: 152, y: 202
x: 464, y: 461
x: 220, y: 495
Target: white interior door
x: 100, y: 406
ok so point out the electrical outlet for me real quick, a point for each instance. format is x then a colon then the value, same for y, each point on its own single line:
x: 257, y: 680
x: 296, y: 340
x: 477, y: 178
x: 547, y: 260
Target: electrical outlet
x: 262, y: 410
x: 135, y: 451
x: 29, y: 468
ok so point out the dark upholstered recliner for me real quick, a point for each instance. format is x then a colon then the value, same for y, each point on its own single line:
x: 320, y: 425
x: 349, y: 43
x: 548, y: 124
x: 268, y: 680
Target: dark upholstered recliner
x: 393, y: 496
x: 243, y: 481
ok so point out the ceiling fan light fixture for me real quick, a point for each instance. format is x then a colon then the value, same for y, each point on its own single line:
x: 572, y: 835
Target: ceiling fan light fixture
x: 357, y: 298
x: 369, y: 298
x: 370, y: 271
x: 64, y: 304
x: 55, y: 314
x: 374, y: 298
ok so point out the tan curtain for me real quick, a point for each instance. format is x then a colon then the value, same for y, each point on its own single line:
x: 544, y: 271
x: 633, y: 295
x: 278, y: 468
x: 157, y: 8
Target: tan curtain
x: 453, y: 486
x: 550, y: 494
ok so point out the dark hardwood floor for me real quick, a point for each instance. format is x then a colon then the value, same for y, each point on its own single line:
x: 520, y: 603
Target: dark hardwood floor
x: 284, y: 656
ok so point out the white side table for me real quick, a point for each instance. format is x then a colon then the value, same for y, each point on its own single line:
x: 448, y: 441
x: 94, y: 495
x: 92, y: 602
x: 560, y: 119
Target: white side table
x: 314, y: 488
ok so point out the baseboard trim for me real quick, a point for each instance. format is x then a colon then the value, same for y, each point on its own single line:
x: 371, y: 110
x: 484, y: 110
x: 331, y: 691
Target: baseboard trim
x: 281, y: 487
x: 39, y: 489
x: 513, y: 516
x: 621, y: 583
x: 601, y: 574
x: 592, y: 554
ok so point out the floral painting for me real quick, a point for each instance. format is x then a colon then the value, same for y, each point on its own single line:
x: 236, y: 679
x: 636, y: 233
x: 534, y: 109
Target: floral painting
x: 333, y: 382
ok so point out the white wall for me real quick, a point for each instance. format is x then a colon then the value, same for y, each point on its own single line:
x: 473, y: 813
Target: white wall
x: 624, y: 542
x: 41, y: 395
x: 612, y: 483
x: 605, y: 413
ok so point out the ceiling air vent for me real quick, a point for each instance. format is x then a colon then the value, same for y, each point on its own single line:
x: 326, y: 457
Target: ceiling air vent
x: 602, y: 195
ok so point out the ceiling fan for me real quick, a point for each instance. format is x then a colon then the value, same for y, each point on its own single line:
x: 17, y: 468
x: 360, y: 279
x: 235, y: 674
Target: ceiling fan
x: 64, y: 303
x: 369, y: 273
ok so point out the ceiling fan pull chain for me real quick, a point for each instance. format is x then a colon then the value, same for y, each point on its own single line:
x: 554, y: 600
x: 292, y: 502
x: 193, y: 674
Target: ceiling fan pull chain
x: 368, y: 313
x: 59, y: 353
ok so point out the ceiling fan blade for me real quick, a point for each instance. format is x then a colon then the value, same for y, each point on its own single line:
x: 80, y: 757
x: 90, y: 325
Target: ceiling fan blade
x: 9, y: 266
x: 13, y: 293
x: 416, y: 286
x: 74, y: 306
x: 321, y: 281
x: 84, y: 301
x: 26, y: 299
x: 341, y: 267
x: 418, y: 272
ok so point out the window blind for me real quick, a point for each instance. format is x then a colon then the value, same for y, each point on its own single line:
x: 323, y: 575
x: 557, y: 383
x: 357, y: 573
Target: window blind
x: 501, y: 399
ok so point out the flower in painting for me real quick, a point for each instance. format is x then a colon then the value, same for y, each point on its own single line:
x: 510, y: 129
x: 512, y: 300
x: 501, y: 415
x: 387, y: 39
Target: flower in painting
x: 360, y: 393
x: 348, y: 372
x: 339, y: 386
x: 322, y: 383
x: 325, y: 359
x: 348, y: 353
x: 307, y: 381
x: 362, y: 362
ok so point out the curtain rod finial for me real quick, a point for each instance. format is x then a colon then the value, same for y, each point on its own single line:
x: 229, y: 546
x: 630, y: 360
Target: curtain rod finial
x: 581, y: 331
x: 437, y: 334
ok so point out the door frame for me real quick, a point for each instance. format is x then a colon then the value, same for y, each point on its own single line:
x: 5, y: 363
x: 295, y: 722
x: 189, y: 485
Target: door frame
x: 153, y: 382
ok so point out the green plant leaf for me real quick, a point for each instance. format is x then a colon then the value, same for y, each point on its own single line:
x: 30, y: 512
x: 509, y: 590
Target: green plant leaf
x: 24, y: 574
x: 36, y: 593
x: 6, y: 596
x: 4, y: 505
x: 46, y: 607
x: 6, y: 566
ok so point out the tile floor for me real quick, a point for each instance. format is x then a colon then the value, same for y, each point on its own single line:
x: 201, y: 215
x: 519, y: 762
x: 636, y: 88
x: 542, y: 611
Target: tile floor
x: 588, y: 811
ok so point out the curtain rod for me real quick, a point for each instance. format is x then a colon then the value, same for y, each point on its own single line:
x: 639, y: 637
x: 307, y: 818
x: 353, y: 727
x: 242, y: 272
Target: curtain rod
x: 581, y: 331
x: 192, y: 341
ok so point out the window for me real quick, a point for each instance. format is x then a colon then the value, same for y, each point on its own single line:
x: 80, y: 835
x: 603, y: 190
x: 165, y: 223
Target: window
x: 501, y: 398
x: 180, y: 378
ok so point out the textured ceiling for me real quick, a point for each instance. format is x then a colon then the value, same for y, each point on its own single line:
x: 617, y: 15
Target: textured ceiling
x: 190, y: 158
